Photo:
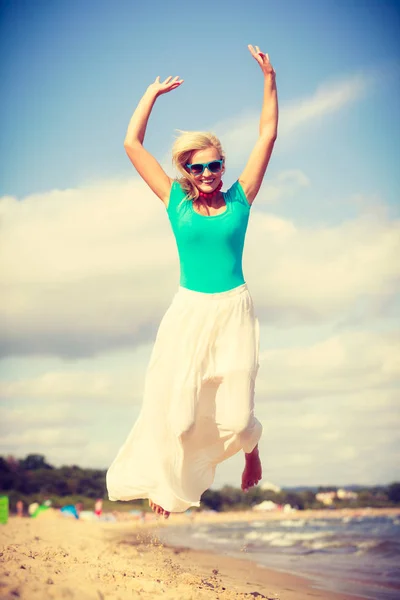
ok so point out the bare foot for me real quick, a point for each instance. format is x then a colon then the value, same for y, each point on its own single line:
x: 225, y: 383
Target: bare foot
x: 158, y: 509
x: 252, y: 471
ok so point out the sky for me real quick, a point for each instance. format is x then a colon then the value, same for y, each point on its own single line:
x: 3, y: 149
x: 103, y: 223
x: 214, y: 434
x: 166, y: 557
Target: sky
x: 88, y: 262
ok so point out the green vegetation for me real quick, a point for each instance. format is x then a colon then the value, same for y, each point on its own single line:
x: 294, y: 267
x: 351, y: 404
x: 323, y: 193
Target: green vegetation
x: 32, y: 479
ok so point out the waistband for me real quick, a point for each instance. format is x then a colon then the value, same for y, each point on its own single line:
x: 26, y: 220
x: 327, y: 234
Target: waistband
x: 240, y: 289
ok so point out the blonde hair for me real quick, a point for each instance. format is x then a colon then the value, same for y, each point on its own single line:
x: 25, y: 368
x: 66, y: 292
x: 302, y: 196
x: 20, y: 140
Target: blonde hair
x: 186, y: 143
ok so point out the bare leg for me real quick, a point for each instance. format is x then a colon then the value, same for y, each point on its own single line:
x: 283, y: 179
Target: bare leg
x: 158, y: 509
x: 252, y: 470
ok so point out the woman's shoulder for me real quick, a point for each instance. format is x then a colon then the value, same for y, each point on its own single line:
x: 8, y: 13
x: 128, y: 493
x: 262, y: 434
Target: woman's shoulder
x: 236, y: 194
x: 177, y: 194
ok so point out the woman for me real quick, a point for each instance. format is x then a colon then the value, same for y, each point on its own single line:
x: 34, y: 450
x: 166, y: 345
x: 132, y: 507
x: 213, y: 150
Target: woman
x: 198, y: 406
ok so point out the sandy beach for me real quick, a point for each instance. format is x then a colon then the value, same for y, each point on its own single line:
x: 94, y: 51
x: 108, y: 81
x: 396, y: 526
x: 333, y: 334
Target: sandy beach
x: 55, y: 558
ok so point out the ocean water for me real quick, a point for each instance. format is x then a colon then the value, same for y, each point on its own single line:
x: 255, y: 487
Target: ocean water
x: 356, y: 555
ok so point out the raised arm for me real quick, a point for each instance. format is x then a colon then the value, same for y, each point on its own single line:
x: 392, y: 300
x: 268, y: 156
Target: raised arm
x: 144, y: 162
x: 254, y: 171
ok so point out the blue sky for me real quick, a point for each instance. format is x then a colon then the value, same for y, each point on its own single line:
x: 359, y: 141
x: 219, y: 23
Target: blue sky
x: 84, y: 240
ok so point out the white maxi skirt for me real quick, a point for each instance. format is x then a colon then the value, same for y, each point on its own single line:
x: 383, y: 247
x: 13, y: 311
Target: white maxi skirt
x: 198, y: 406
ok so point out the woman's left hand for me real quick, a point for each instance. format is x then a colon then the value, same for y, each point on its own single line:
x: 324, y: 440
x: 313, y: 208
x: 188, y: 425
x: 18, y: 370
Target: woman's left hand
x: 262, y: 59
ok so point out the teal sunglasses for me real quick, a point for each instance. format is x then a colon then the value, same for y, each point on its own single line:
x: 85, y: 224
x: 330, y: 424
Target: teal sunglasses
x: 214, y: 166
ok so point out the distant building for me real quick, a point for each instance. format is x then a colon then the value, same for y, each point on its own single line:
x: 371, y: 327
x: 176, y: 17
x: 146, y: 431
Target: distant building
x: 327, y: 498
x: 346, y: 495
x: 267, y: 485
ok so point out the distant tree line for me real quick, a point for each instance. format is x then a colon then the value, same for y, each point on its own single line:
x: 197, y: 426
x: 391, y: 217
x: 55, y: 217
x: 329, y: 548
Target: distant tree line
x: 33, y: 475
x: 33, y: 479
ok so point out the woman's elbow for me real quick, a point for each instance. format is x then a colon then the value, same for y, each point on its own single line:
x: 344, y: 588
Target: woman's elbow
x: 274, y: 137
x: 132, y: 149
x: 269, y: 135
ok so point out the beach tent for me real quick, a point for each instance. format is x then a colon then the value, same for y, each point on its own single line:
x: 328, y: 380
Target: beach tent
x: 41, y: 508
x: 69, y: 511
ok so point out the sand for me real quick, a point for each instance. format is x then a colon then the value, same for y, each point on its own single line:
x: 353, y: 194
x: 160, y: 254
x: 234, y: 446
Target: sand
x: 54, y: 557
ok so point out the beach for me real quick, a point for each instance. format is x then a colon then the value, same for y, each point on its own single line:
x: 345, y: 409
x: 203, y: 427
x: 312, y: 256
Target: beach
x: 54, y: 557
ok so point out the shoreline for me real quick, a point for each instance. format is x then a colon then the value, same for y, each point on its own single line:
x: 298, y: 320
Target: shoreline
x: 53, y: 557
x: 320, y: 513
x: 204, y: 516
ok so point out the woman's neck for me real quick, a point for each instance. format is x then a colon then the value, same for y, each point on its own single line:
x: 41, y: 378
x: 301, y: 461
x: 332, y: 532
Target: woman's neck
x: 212, y: 199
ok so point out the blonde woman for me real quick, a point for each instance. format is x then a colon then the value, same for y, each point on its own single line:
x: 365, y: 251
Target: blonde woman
x: 198, y: 406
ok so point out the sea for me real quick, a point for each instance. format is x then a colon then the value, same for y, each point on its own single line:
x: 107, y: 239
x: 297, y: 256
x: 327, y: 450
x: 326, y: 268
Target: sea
x: 357, y: 555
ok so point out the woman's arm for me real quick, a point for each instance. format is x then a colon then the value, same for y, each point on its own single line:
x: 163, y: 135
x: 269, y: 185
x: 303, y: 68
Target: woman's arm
x: 144, y: 162
x: 253, y: 174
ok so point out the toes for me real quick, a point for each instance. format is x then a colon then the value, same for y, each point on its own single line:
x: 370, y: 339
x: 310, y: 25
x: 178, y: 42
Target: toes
x: 249, y: 484
x: 155, y: 508
x: 158, y: 509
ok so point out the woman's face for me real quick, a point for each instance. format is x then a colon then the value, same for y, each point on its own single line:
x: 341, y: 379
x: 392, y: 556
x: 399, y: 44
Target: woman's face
x: 207, y: 181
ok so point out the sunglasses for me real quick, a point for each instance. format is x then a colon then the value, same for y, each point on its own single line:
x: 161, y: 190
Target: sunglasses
x: 214, y: 166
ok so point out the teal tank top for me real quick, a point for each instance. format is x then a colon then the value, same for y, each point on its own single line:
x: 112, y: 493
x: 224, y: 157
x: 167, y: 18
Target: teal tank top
x: 210, y: 248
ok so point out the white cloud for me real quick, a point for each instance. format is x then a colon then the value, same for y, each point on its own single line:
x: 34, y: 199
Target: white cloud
x: 40, y: 415
x: 83, y: 270
x: 350, y: 437
x: 43, y: 438
x: 350, y: 361
x: 79, y: 385
x: 284, y: 185
x: 330, y: 436
x: 89, y: 270
x: 239, y: 134
x: 309, y: 275
x: 343, y: 363
x: 312, y: 421
x: 328, y: 98
x: 59, y: 385
x: 297, y: 459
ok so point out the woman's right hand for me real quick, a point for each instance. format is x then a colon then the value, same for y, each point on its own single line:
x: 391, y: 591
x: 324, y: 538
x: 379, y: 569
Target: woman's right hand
x: 162, y: 87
